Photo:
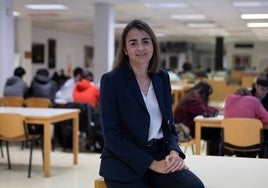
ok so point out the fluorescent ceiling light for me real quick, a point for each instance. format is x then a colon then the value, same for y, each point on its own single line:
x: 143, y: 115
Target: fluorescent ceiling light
x: 46, y: 7
x: 250, y: 4
x: 265, y: 24
x: 188, y: 17
x: 201, y: 25
x: 167, y: 5
x: 16, y: 13
x: 254, y: 16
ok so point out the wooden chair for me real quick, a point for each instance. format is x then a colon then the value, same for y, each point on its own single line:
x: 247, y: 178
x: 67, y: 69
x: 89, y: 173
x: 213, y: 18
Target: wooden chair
x: 12, y: 101
x: 38, y: 102
x: 1, y: 148
x: 188, y: 143
x: 248, y: 80
x: 14, y: 129
x: 242, y: 134
x: 218, y: 88
x: 99, y: 183
x: 236, y: 76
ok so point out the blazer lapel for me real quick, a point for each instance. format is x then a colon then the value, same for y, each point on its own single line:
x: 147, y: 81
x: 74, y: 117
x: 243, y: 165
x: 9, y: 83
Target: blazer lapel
x: 133, y: 86
x: 158, y: 89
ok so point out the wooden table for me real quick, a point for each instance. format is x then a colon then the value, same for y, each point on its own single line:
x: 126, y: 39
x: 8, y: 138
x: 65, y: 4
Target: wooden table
x: 46, y: 117
x: 200, y: 122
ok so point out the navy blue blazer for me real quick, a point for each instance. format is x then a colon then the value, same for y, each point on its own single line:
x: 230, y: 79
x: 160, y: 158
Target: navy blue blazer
x: 125, y: 123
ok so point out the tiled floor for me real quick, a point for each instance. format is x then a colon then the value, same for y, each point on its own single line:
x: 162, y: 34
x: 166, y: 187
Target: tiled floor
x: 63, y: 173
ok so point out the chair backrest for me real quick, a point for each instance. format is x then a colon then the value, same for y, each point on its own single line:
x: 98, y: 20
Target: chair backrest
x: 242, y: 134
x: 12, y: 125
x: 38, y: 102
x: 218, y: 88
x: 12, y: 101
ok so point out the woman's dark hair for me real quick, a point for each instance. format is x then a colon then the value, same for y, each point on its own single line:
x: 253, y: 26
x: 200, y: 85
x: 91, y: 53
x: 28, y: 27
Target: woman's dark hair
x: 43, y: 72
x: 121, y: 58
x: 204, y: 90
x: 242, y: 91
x: 77, y: 71
x: 19, y: 71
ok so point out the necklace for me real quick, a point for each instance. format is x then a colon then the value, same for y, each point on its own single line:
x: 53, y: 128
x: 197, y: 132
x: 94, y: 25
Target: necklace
x: 141, y: 79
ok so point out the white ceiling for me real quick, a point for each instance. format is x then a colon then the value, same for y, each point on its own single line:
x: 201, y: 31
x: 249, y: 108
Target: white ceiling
x: 80, y: 18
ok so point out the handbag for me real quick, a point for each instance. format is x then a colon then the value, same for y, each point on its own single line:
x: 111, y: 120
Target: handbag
x: 183, y: 132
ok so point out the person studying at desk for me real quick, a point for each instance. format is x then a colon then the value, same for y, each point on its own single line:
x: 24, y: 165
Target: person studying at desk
x: 141, y: 145
x: 194, y: 103
x: 242, y: 104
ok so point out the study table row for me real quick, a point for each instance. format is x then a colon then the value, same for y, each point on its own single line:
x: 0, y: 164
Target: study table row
x: 46, y: 117
x: 201, y: 121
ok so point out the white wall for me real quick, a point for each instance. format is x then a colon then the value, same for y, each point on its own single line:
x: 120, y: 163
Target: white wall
x: 69, y: 47
x: 259, y: 55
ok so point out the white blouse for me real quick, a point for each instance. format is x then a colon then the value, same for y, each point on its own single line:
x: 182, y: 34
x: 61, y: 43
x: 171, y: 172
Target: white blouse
x: 155, y: 131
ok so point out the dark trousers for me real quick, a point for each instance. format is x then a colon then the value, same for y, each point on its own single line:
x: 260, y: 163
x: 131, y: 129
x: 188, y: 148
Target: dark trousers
x: 183, y: 178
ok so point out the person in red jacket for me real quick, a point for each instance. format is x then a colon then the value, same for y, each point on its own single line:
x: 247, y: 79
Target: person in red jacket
x: 85, y: 91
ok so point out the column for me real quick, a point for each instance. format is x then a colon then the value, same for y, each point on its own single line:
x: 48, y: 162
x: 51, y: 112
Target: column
x: 219, y: 53
x: 6, y: 41
x: 103, y: 39
x: 23, y: 46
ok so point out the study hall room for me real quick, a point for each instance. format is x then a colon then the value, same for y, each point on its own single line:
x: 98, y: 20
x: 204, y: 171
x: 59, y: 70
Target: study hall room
x: 219, y: 43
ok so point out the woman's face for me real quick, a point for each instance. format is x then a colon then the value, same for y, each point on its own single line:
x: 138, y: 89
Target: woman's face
x: 139, y: 47
x: 261, y: 91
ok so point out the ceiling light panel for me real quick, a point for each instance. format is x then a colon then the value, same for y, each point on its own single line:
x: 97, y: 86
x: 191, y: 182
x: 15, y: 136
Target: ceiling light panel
x: 46, y: 7
x: 166, y: 5
x: 254, y: 16
x: 250, y: 3
x: 260, y: 24
x: 188, y: 17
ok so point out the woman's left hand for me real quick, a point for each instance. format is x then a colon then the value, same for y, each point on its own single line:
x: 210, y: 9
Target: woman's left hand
x: 174, y: 162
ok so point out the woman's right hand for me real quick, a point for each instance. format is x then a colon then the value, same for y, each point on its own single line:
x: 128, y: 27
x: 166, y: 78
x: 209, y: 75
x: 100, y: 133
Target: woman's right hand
x: 159, y: 166
x: 164, y: 167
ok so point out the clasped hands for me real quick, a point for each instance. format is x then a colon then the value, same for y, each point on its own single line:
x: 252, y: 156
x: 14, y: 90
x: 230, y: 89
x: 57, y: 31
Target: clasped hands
x: 173, y: 162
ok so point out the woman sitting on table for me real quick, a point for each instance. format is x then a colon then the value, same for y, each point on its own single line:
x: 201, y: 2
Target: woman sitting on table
x: 194, y: 103
x: 242, y: 104
x: 141, y: 146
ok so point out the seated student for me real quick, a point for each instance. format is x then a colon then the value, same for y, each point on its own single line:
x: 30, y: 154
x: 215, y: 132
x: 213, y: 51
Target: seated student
x: 173, y: 74
x: 260, y: 91
x: 65, y: 93
x: 187, y: 73
x: 192, y: 104
x: 43, y: 86
x: 242, y: 104
x: 85, y: 91
x: 15, y: 86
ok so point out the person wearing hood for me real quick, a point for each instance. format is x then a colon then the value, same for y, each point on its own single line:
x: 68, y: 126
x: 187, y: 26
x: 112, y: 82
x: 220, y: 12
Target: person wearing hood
x: 85, y: 91
x: 15, y: 85
x: 43, y: 86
